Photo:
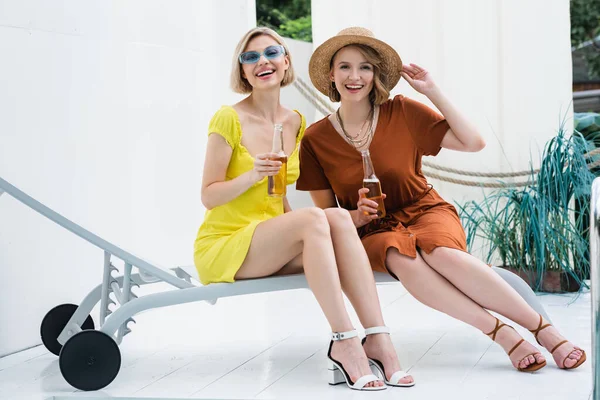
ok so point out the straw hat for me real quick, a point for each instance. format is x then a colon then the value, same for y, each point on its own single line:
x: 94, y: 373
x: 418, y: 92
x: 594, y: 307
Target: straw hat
x: 320, y: 61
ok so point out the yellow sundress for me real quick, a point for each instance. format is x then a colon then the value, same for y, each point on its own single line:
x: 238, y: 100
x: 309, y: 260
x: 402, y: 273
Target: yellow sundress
x: 224, y: 237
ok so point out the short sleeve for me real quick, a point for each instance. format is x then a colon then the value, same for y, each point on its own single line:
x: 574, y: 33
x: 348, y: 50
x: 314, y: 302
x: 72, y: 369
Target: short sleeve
x: 225, y: 122
x: 427, y: 127
x: 312, y: 176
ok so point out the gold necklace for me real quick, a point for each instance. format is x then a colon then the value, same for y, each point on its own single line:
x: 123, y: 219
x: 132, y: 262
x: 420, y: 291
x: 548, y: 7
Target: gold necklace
x: 355, y: 141
x: 339, y: 119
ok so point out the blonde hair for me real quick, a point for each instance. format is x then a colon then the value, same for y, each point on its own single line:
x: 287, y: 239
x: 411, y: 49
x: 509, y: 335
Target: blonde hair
x: 379, y: 93
x: 239, y: 84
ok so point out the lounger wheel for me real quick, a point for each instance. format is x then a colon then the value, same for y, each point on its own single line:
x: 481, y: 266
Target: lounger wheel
x: 55, y: 321
x: 90, y: 360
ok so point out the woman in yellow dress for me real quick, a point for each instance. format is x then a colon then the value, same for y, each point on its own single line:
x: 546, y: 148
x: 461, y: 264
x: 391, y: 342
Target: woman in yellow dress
x: 248, y: 234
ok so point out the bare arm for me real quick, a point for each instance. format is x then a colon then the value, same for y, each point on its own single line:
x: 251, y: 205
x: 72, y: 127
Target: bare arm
x: 462, y: 135
x: 216, y: 190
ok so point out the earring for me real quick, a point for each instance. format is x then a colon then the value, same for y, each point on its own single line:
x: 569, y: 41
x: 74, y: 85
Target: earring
x: 333, y: 85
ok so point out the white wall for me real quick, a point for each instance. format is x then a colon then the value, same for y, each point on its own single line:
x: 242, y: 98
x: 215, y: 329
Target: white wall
x: 505, y: 63
x: 104, y: 107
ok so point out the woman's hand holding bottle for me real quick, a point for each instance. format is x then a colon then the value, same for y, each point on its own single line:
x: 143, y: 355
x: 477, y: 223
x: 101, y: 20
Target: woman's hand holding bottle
x: 367, y: 209
x: 264, y: 166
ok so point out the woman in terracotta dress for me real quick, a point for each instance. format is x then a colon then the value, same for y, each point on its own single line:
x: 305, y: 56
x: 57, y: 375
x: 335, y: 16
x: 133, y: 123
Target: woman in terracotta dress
x: 420, y: 241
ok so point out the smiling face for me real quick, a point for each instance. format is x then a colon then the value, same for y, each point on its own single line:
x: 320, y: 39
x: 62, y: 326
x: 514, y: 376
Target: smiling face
x: 353, y: 74
x: 265, y: 74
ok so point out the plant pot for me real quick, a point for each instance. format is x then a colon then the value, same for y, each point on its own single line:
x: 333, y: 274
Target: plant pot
x: 552, y: 281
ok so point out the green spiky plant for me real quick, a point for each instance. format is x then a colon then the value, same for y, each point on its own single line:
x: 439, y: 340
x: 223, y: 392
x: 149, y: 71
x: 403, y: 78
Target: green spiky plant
x: 588, y: 125
x: 537, y: 229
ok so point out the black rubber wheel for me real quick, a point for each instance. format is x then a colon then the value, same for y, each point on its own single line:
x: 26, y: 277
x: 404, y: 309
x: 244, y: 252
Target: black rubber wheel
x: 55, y: 321
x: 90, y: 360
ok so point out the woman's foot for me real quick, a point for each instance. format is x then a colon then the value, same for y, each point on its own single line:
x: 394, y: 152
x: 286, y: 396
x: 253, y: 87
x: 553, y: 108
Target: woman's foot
x: 523, y: 355
x: 352, y: 357
x: 565, y: 354
x: 380, y: 347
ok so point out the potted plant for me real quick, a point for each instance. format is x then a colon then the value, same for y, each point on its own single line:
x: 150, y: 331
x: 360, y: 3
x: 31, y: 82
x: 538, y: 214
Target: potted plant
x: 536, y: 231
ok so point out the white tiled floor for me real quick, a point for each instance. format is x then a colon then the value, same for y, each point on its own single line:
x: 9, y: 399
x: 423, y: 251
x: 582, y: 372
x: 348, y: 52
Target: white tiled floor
x: 273, y: 346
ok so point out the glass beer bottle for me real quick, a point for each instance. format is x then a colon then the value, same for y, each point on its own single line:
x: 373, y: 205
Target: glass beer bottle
x: 371, y: 182
x: 278, y: 183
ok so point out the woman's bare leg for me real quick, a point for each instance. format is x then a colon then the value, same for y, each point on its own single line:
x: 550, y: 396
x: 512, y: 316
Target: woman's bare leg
x: 282, y: 239
x: 356, y: 277
x: 433, y: 290
x: 475, y: 279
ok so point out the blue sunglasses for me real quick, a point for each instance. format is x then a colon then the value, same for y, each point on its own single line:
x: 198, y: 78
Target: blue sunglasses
x: 270, y: 53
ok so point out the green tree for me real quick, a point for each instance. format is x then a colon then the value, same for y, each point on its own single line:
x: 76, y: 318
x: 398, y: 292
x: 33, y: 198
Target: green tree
x: 289, y: 18
x: 585, y: 26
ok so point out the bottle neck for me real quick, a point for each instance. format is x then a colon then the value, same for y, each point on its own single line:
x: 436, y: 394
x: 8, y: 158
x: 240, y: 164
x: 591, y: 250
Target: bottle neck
x: 369, y: 171
x: 278, y: 139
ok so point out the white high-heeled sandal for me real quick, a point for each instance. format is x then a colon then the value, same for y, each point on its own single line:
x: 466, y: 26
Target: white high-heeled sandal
x: 337, y: 373
x: 378, y: 365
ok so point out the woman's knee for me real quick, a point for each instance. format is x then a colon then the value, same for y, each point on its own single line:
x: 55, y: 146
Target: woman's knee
x: 339, y: 218
x: 314, y: 221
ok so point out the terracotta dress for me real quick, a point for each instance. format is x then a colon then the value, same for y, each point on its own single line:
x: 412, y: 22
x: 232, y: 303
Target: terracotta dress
x: 417, y: 217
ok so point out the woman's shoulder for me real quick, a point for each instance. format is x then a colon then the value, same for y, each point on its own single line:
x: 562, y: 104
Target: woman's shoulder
x: 393, y: 103
x: 226, y: 122
x: 401, y: 106
x: 225, y: 116
x: 317, y: 127
x: 401, y: 102
x: 226, y: 111
x: 294, y: 117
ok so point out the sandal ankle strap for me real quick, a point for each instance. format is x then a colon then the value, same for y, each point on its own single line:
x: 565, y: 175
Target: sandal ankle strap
x: 540, y: 327
x: 377, y: 329
x: 494, y: 332
x: 336, y: 336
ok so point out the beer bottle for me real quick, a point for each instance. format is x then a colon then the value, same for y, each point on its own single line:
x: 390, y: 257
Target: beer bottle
x: 278, y: 183
x: 371, y: 182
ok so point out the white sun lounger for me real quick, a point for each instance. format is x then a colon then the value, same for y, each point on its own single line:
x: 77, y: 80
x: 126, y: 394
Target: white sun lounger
x: 90, y: 359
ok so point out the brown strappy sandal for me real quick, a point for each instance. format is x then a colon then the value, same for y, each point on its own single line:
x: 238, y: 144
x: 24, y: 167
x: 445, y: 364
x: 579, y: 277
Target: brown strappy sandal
x: 529, y: 368
x: 536, y: 333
